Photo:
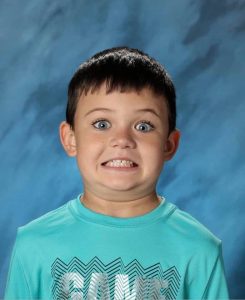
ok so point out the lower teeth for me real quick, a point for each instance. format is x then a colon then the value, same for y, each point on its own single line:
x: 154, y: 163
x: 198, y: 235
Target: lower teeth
x: 119, y: 165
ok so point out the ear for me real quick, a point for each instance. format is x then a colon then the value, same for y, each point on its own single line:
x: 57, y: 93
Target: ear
x: 172, y: 144
x: 67, y: 138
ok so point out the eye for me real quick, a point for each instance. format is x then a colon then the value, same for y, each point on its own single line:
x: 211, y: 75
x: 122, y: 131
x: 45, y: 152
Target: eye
x: 145, y: 126
x: 101, y: 124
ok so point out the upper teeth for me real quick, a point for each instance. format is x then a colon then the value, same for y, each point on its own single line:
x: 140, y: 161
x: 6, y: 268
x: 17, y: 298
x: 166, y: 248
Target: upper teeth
x: 119, y: 163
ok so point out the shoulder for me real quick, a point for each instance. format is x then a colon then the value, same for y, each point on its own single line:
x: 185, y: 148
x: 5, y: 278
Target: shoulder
x: 45, y: 226
x: 193, y: 235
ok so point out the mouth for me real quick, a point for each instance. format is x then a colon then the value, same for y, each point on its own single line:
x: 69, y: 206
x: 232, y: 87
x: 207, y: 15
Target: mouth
x: 120, y: 164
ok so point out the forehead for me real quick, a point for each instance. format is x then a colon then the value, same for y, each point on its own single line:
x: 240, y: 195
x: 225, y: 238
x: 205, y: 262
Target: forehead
x: 117, y: 101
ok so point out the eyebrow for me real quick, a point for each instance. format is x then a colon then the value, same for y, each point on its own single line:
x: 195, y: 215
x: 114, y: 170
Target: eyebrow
x: 111, y: 110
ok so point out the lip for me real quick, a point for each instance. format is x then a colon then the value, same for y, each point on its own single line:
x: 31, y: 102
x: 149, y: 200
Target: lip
x: 120, y: 158
x: 120, y: 169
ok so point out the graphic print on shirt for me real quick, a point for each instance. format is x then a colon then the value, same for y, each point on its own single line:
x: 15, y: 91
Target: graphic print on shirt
x: 112, y: 281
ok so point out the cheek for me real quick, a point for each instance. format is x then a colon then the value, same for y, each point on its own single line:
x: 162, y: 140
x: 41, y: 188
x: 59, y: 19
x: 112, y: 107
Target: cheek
x: 84, y: 140
x: 89, y: 147
x: 153, y: 152
x: 154, y: 144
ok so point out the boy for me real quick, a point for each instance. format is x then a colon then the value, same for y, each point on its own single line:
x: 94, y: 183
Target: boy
x: 119, y: 239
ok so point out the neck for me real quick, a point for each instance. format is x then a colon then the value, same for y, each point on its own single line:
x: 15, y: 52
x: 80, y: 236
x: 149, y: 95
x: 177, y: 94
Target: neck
x: 121, y: 208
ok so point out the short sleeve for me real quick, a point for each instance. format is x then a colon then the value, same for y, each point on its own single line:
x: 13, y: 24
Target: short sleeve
x: 17, y: 286
x: 216, y: 288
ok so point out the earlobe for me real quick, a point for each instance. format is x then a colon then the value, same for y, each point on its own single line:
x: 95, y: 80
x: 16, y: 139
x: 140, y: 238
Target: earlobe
x: 172, y: 144
x: 67, y: 138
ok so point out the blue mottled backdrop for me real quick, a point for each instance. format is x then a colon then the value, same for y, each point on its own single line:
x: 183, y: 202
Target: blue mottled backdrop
x: 202, y: 45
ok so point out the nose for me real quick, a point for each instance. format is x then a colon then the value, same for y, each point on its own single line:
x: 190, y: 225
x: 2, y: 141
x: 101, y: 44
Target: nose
x: 123, y: 139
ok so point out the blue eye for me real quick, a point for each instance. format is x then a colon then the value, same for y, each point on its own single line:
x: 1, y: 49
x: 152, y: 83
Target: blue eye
x: 101, y: 124
x: 145, y: 126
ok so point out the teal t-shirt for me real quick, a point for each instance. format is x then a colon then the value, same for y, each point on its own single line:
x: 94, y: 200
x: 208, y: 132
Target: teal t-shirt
x: 76, y: 253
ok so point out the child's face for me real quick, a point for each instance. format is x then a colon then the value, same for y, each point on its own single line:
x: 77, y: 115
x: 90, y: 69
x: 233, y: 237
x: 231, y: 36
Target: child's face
x: 113, y: 126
